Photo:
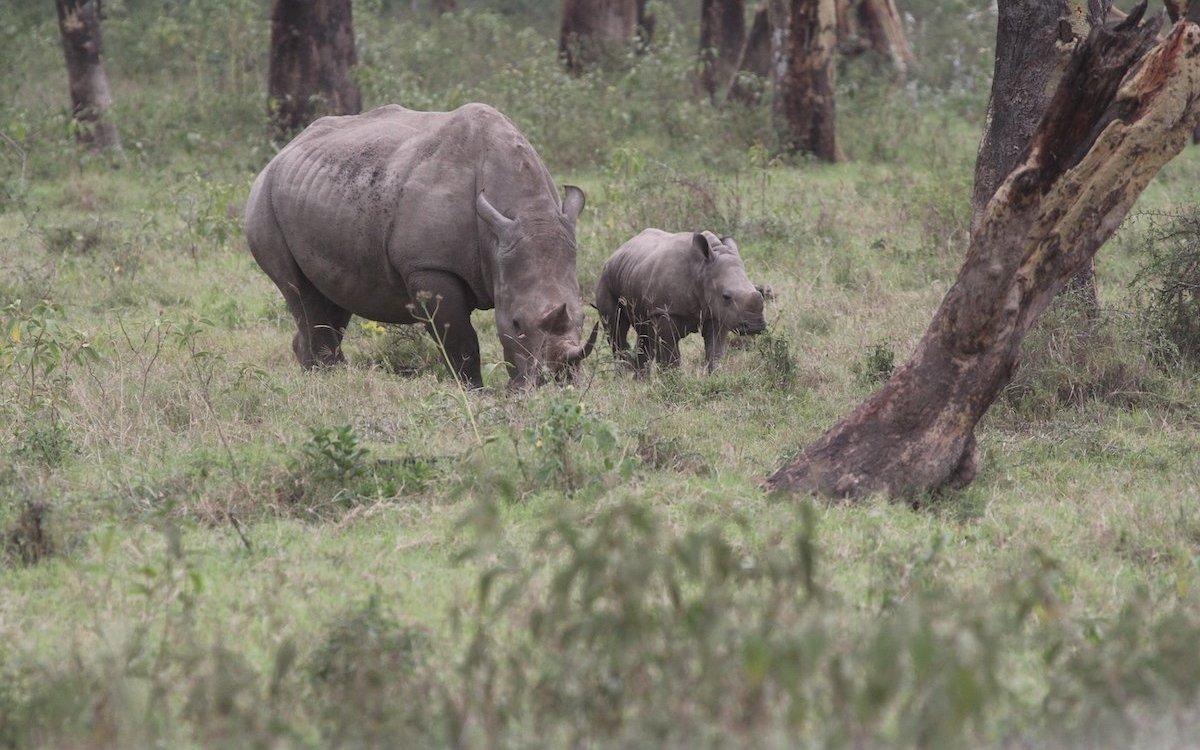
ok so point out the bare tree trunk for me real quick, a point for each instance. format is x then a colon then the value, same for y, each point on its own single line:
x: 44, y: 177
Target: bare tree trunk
x: 722, y: 35
x: 754, y: 58
x: 91, y: 98
x: 312, y: 52
x: 804, y: 39
x: 885, y: 32
x: 645, y: 25
x: 442, y: 7
x: 1034, y: 42
x: 593, y: 30
x: 1107, y: 133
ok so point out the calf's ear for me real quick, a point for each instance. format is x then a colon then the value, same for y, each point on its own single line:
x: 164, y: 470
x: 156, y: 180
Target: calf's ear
x: 730, y: 243
x: 700, y: 242
x: 573, y: 202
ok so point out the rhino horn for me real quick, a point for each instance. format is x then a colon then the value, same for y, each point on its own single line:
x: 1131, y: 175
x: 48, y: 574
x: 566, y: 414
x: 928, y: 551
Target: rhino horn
x: 499, y: 223
x: 580, y: 353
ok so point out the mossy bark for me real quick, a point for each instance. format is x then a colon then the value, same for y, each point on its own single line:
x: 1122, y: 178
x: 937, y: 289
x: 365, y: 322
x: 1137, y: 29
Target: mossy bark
x: 1124, y: 107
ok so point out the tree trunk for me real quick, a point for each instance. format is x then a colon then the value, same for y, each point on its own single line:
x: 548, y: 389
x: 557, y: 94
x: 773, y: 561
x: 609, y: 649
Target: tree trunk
x: 722, y: 35
x: 885, y: 32
x: 754, y: 59
x: 645, y: 25
x: 91, y: 98
x: 312, y: 52
x: 442, y: 7
x: 1034, y: 42
x: 1105, y: 136
x: 595, y: 30
x: 804, y: 39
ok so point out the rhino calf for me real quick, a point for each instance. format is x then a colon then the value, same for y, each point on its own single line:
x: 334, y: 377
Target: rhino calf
x: 666, y: 286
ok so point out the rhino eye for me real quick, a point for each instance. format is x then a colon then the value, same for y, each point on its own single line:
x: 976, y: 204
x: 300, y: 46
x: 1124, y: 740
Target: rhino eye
x: 728, y: 297
x: 516, y: 324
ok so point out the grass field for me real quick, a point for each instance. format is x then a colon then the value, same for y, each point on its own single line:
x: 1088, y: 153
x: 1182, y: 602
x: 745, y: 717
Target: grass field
x: 204, y: 546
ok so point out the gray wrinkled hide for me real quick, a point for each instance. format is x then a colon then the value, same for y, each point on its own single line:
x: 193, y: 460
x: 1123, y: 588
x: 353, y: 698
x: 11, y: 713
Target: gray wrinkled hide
x: 666, y: 286
x: 403, y: 217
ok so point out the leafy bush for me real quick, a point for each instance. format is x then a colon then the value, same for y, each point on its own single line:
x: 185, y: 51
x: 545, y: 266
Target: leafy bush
x: 370, y: 677
x: 570, y: 445
x: 877, y: 364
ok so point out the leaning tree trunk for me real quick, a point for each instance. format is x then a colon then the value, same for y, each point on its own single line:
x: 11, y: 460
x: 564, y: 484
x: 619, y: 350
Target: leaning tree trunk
x: 595, y: 30
x: 754, y: 59
x: 1118, y: 115
x: 804, y: 39
x: 722, y: 33
x: 312, y: 52
x: 1034, y: 42
x: 91, y: 98
x: 880, y: 20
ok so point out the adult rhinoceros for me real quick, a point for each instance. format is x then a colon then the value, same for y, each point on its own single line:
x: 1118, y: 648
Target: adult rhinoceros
x: 405, y: 217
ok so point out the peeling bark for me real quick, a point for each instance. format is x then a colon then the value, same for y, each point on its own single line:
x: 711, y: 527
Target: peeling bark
x: 804, y: 38
x: 1119, y: 114
x: 91, y: 97
x: 722, y: 34
x: 593, y: 30
x: 312, y: 52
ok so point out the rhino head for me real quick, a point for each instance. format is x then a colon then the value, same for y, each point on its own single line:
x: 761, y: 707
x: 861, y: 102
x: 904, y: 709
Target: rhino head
x: 539, y: 315
x: 730, y: 299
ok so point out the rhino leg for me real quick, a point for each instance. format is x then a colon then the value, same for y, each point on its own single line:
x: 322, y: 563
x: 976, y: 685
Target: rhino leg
x: 667, y: 332
x: 644, y: 351
x: 320, y: 325
x: 447, y: 318
x: 714, y: 345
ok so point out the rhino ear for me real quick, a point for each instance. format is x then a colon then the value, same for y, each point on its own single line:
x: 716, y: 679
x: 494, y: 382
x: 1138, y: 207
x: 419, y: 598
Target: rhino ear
x: 556, y: 320
x: 700, y: 242
x: 730, y: 243
x: 499, y: 223
x: 573, y: 202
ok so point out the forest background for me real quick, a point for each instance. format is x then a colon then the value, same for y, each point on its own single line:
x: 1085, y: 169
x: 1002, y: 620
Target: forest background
x: 203, y: 546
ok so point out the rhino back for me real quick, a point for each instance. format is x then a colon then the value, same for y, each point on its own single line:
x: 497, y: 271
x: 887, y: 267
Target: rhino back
x: 656, y: 271
x: 365, y: 201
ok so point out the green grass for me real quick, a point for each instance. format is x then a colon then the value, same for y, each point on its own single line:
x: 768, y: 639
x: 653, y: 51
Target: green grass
x: 598, y: 565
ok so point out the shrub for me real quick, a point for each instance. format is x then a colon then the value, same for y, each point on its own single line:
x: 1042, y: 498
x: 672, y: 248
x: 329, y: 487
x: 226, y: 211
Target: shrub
x: 372, y: 683
x: 1168, y: 287
x: 1076, y: 354
x: 27, y: 540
